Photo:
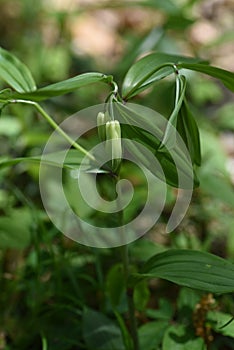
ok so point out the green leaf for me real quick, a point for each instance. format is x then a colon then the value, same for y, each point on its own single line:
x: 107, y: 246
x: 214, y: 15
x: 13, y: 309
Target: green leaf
x: 178, y: 22
x: 164, y: 311
x: 138, y: 46
x: 100, y: 332
x: 148, y: 70
x: 178, y: 337
x: 172, y: 162
x: 169, y: 138
x: 4, y: 95
x: 15, y: 229
x: 64, y: 87
x: 218, y: 186
x: 218, y: 320
x: 141, y: 295
x: 151, y: 334
x: 224, y: 117
x: 214, y: 154
x: 72, y: 160
x: 191, y: 268
x: 143, y: 249
x: 115, y: 284
x: 127, y: 339
x: 15, y: 73
x: 188, y: 130
x: 223, y: 75
x: 5, y: 163
x: 186, y: 302
x: 214, y: 176
x: 52, y: 322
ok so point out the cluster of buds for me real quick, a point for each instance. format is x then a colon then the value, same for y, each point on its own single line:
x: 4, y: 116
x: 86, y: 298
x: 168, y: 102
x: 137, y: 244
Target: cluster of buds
x: 110, y: 132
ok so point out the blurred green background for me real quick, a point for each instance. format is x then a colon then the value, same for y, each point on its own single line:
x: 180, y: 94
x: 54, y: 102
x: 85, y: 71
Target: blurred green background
x: 45, y: 279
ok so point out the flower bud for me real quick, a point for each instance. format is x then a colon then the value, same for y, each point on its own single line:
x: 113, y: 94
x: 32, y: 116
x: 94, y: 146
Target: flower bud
x: 102, y: 119
x: 113, y: 144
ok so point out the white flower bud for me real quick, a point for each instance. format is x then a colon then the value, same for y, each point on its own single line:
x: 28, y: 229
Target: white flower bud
x: 102, y: 119
x: 113, y: 144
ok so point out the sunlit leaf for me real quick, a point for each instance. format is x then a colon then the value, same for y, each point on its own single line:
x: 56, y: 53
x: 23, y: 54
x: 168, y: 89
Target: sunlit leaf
x: 15, y: 73
x: 225, y: 76
x: 64, y: 87
x: 149, y: 69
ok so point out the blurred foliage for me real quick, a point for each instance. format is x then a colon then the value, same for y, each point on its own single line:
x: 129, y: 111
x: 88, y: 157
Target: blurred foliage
x: 45, y: 278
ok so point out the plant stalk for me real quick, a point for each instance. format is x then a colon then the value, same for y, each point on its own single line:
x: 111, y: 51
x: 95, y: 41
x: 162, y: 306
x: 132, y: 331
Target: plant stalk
x: 130, y: 301
x: 123, y: 250
x: 57, y: 127
x: 129, y: 291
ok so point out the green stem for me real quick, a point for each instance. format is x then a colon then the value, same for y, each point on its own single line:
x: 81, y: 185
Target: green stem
x: 130, y: 301
x: 56, y: 127
x: 44, y: 342
x: 129, y: 291
x: 177, y: 93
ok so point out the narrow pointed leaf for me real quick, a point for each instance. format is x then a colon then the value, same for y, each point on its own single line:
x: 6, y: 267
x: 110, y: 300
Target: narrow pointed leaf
x: 169, y: 138
x: 72, y: 161
x: 172, y: 162
x: 188, y: 130
x: 127, y: 339
x: 226, y: 77
x: 64, y: 87
x: 15, y: 73
x: 191, y: 268
x: 149, y: 69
